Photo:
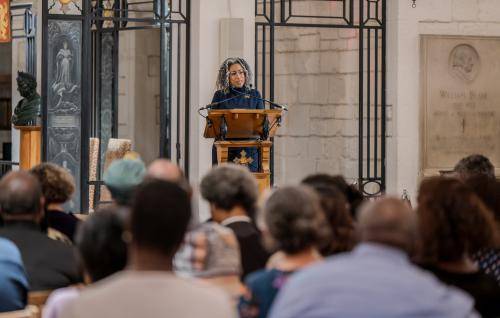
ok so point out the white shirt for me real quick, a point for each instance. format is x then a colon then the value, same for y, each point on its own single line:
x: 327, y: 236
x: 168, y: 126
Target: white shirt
x: 234, y: 219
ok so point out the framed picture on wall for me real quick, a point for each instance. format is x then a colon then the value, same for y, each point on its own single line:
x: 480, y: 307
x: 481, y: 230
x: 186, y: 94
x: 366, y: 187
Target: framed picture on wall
x: 5, y: 113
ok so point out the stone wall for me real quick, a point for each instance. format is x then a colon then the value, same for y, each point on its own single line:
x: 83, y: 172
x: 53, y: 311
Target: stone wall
x: 317, y: 77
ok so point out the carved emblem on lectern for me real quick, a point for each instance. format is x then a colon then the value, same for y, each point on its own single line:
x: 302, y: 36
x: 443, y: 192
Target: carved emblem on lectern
x: 243, y: 159
x: 464, y: 62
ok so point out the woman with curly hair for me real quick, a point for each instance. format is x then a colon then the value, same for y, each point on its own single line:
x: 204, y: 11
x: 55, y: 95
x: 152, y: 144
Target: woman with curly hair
x: 454, y: 224
x: 234, y: 86
x: 335, y: 206
x: 58, y: 186
x: 234, y: 90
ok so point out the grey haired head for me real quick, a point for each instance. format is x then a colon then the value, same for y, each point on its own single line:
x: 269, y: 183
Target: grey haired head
x: 223, y: 75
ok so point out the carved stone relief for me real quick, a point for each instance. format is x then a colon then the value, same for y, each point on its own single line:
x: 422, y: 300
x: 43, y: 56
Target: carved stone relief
x: 64, y: 99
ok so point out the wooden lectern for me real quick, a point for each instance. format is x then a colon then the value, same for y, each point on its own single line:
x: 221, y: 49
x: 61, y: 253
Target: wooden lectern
x: 31, y: 141
x: 250, y: 128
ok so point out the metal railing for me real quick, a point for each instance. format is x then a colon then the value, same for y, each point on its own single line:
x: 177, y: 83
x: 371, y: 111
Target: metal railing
x: 6, y: 166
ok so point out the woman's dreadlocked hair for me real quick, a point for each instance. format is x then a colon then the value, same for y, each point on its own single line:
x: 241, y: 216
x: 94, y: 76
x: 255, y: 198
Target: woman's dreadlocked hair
x: 223, y: 75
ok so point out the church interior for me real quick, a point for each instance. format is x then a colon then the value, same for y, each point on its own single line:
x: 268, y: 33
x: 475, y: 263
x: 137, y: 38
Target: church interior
x: 378, y: 118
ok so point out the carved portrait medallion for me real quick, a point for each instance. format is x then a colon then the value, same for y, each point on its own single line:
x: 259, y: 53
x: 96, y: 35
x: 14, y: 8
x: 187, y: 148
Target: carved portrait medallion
x: 464, y: 62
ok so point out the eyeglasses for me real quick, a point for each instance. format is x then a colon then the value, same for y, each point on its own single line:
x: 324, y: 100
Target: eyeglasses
x: 236, y: 73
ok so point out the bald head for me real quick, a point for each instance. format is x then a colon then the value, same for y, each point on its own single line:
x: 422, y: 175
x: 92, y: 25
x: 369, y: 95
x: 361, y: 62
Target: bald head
x: 164, y: 169
x: 388, y: 221
x: 20, y: 196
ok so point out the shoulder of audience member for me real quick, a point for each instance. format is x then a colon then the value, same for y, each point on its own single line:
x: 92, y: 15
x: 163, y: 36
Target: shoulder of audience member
x: 58, y: 299
x: 258, y: 277
x: 9, y: 250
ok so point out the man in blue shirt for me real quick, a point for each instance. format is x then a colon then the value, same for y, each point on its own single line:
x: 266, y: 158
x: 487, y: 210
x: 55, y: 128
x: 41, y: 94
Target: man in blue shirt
x: 13, y: 281
x: 376, y: 279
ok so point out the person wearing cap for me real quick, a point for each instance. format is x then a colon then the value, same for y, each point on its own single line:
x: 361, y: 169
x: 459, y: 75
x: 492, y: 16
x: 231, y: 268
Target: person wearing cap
x: 122, y: 178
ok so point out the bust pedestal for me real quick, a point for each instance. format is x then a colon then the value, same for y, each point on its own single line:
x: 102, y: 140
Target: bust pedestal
x: 31, y: 141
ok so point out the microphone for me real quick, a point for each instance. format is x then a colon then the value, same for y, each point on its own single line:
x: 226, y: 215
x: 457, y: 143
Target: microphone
x: 209, y: 106
x: 284, y: 107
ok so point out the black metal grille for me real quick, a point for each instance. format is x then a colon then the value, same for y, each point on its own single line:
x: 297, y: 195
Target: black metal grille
x: 368, y: 17
x: 101, y: 21
x: 6, y: 166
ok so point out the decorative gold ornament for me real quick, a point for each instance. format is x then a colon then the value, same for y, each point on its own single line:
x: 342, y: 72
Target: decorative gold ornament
x: 4, y: 21
x: 66, y: 5
x: 243, y: 160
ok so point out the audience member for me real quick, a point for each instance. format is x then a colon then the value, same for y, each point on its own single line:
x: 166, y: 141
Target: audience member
x: 159, y: 219
x: 454, y: 224
x: 49, y: 264
x: 353, y: 196
x: 165, y: 169
x: 488, y: 190
x: 232, y: 193
x: 335, y: 206
x: 122, y: 177
x: 376, y: 279
x: 102, y: 252
x: 57, y: 187
x: 13, y: 281
x: 211, y: 253
x: 474, y: 165
x: 296, y: 226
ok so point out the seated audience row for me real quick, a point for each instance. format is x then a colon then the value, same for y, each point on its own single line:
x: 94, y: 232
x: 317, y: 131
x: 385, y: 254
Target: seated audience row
x: 376, y: 279
x: 159, y: 218
x: 49, y: 264
x: 382, y: 258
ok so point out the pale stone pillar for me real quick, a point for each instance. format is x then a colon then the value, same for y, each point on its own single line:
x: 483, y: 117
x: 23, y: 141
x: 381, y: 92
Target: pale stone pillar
x: 205, y: 20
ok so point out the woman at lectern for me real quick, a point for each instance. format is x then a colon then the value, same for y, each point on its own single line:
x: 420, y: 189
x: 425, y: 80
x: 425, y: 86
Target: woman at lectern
x: 234, y: 86
x: 234, y: 91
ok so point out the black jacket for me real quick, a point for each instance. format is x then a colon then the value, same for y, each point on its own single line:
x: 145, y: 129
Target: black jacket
x: 49, y: 264
x: 253, y: 254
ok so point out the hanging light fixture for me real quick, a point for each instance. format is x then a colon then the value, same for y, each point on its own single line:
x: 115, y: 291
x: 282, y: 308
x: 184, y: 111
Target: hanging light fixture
x: 413, y: 3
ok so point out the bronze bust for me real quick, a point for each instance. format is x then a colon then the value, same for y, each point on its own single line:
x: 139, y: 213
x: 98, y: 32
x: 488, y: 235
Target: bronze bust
x: 28, y: 110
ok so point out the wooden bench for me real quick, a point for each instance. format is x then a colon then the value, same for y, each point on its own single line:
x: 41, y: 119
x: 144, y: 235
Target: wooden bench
x: 29, y: 312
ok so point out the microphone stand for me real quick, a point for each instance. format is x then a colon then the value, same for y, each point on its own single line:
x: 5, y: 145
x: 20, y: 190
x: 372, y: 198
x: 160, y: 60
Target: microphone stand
x: 271, y: 103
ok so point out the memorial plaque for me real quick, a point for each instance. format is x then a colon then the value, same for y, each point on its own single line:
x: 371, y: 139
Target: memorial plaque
x: 461, y: 100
